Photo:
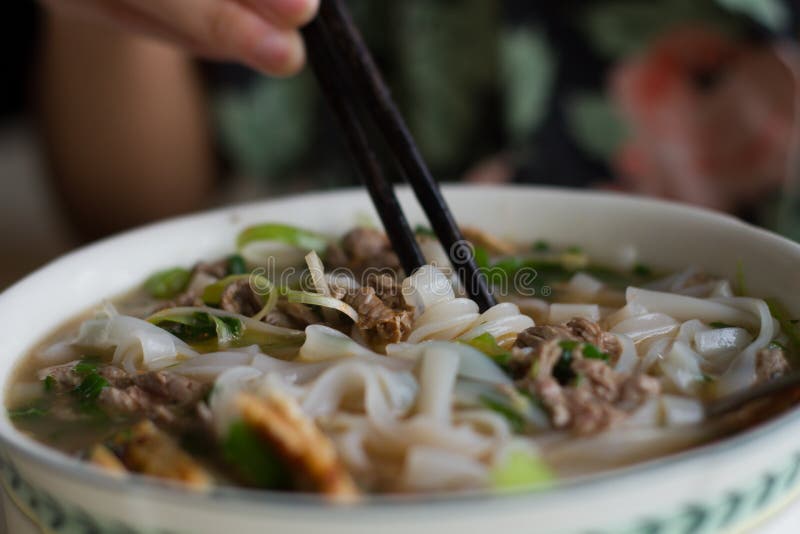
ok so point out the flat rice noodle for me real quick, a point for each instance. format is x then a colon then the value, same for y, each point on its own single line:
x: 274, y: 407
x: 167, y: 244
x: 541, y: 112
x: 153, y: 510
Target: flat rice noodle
x: 685, y: 308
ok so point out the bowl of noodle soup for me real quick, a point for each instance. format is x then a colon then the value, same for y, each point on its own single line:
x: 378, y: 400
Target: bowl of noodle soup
x: 575, y: 405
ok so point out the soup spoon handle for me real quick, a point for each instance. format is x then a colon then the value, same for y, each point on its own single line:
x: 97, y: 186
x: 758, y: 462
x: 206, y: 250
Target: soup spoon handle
x: 788, y: 385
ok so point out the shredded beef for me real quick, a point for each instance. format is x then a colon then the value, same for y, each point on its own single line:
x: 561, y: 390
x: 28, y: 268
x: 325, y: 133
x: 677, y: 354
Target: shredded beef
x: 636, y: 389
x: 301, y: 315
x: 379, y: 323
x: 164, y: 397
x: 62, y: 375
x: 362, y: 250
x: 171, y: 388
x: 278, y: 318
x: 387, y: 289
x: 67, y: 378
x: 578, y: 329
x: 133, y: 400
x: 239, y: 297
x: 218, y: 269
x: 582, y: 394
x: 771, y: 363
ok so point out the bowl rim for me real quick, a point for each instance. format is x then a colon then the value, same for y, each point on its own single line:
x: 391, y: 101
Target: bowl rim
x: 87, y: 474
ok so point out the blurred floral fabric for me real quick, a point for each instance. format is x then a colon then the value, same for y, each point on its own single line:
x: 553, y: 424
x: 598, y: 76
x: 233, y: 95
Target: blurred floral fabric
x: 684, y: 99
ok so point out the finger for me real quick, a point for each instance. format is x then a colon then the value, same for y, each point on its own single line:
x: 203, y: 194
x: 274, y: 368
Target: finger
x: 289, y: 14
x: 228, y: 30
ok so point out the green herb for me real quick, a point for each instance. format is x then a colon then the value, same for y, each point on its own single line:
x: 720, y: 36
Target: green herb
x: 253, y: 459
x: 509, y: 265
x: 740, y: 288
x: 228, y: 328
x: 421, y: 229
x: 49, y: 383
x: 591, y: 351
x: 91, y: 386
x: 562, y: 371
x: 609, y: 277
x: 167, y: 284
x: 86, y: 366
x: 198, y: 327
x: 487, y: 344
x: 482, y: 258
x: 236, y: 265
x: 568, y: 344
x: 777, y: 345
x: 708, y: 378
x: 32, y: 412
x: 642, y: 270
x: 541, y: 246
x: 718, y: 324
x: 789, y: 328
x: 511, y: 415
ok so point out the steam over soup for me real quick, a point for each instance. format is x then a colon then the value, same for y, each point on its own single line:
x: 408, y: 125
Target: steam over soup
x: 302, y: 363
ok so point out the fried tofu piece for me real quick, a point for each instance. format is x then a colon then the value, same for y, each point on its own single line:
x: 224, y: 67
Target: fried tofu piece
x: 492, y: 243
x: 279, y: 421
x: 102, y: 457
x: 150, y: 451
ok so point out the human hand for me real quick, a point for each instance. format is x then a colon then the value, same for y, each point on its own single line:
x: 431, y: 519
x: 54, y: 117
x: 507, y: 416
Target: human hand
x: 260, y: 33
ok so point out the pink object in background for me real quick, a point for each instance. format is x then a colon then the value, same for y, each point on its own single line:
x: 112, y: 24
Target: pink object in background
x: 710, y: 119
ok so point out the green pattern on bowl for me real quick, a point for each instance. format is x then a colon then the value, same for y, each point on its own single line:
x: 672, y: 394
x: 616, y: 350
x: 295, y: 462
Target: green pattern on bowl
x: 52, y: 515
x: 735, y: 509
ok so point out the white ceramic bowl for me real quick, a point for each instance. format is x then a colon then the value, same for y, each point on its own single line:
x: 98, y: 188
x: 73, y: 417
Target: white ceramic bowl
x: 717, y: 487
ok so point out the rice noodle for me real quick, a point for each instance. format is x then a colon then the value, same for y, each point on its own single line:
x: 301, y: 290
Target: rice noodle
x: 741, y: 373
x: 437, y: 379
x: 136, y: 343
x: 442, y: 316
x: 684, y: 308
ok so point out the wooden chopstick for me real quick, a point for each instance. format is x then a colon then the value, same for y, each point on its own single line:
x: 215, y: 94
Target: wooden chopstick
x: 325, y: 67
x: 354, y: 63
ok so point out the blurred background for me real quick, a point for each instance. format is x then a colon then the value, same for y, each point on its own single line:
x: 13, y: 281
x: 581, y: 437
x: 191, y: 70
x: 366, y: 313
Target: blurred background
x: 691, y: 100
x: 31, y: 227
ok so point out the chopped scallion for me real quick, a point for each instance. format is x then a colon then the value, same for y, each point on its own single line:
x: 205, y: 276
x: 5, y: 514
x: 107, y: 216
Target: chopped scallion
x: 91, y: 386
x: 32, y: 412
x: 541, y: 246
x: 514, y: 418
x: 49, y: 383
x: 253, y: 459
x: 236, y: 265
x: 167, y: 284
x: 487, y: 344
x: 283, y: 233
